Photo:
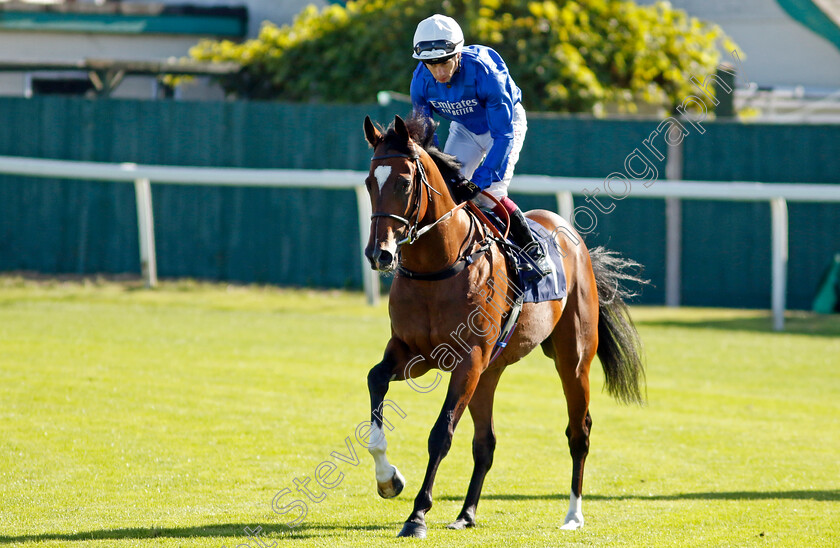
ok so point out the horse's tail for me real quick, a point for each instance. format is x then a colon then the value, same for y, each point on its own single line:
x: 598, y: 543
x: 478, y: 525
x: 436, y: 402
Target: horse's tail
x: 619, y: 346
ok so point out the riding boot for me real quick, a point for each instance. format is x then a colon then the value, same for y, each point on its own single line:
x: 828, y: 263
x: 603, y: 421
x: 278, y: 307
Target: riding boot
x: 523, y: 237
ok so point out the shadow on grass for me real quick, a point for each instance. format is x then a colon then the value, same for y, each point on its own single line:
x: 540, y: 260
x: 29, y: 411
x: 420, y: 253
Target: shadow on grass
x: 235, y: 531
x: 796, y: 323
x: 829, y: 495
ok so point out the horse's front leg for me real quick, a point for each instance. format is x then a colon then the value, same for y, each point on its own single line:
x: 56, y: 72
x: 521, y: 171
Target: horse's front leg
x: 389, y: 481
x: 462, y: 384
x: 484, y: 444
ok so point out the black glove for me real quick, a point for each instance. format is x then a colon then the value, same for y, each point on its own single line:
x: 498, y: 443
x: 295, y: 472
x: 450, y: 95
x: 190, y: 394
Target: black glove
x: 465, y: 190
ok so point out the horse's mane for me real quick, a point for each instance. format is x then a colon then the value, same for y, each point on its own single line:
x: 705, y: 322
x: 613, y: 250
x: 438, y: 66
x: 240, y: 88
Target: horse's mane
x: 422, y: 131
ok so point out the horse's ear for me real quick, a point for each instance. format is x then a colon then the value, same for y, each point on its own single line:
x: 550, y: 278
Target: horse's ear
x: 372, y: 134
x: 400, y: 127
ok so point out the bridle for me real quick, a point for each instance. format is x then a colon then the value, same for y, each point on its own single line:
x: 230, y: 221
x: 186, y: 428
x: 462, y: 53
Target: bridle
x: 412, y: 220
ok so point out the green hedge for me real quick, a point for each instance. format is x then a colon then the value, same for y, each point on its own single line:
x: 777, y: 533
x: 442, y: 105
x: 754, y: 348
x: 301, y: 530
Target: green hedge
x: 569, y: 56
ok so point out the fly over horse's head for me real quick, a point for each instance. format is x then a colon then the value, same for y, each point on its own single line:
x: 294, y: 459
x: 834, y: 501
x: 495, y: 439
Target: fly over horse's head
x: 399, y: 190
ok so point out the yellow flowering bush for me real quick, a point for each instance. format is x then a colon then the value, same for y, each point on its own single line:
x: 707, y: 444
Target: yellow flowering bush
x: 566, y: 55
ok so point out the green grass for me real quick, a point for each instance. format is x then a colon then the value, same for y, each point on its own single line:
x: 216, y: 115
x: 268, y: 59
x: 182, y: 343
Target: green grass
x: 172, y: 417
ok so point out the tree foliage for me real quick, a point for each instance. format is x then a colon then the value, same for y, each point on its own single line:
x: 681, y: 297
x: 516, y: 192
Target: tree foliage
x: 566, y: 55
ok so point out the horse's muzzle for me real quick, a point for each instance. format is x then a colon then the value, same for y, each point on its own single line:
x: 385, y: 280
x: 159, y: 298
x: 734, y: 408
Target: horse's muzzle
x: 380, y: 259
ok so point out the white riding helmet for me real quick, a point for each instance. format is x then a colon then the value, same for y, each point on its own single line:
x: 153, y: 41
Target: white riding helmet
x: 437, y: 38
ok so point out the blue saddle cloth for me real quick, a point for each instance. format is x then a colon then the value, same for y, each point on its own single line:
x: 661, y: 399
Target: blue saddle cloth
x: 534, y: 288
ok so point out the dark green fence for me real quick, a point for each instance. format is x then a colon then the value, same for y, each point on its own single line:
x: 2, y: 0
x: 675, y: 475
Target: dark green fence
x: 727, y: 254
x: 310, y: 237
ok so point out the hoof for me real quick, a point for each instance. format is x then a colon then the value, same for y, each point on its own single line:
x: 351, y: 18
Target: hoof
x: 461, y: 524
x: 392, y: 487
x: 573, y: 522
x: 413, y: 530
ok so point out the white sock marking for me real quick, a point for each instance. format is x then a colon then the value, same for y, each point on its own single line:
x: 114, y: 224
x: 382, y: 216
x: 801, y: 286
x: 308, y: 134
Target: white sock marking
x: 574, y: 519
x: 377, y: 444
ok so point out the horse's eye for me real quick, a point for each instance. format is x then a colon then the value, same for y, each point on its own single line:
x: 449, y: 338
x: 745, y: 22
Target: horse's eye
x: 402, y: 183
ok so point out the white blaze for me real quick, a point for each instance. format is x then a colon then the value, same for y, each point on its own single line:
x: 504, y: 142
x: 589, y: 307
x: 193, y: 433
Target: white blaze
x: 382, y: 173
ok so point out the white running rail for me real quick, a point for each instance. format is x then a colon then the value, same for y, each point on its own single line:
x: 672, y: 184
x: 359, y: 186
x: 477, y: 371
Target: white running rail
x: 777, y: 194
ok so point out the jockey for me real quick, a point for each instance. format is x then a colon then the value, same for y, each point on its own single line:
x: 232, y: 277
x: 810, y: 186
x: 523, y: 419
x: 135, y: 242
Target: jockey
x: 471, y: 87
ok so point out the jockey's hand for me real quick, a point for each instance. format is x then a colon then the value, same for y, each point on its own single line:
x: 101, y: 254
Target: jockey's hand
x: 465, y: 190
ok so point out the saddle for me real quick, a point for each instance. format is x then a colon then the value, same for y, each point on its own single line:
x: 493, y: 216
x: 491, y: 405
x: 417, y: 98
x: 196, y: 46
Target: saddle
x: 534, y: 289
x: 527, y: 285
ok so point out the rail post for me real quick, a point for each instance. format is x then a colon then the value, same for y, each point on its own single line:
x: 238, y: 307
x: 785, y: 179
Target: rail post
x: 370, y: 278
x: 146, y: 230
x: 779, y: 219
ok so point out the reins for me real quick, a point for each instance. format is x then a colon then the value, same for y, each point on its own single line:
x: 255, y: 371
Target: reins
x: 414, y: 230
x: 412, y: 221
x: 480, y: 214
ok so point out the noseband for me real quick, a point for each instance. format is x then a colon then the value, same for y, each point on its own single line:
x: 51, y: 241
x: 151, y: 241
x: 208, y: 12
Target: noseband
x: 413, y: 222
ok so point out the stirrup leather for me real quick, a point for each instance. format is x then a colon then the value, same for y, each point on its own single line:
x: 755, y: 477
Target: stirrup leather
x: 536, y: 260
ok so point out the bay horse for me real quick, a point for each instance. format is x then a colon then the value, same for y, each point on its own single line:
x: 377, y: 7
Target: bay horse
x: 448, y: 299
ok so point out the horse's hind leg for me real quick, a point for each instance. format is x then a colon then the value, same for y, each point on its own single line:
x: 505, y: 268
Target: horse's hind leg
x: 484, y: 444
x: 574, y: 343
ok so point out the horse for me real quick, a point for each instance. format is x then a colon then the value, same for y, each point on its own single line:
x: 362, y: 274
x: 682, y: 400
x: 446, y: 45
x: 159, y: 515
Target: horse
x: 451, y: 290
